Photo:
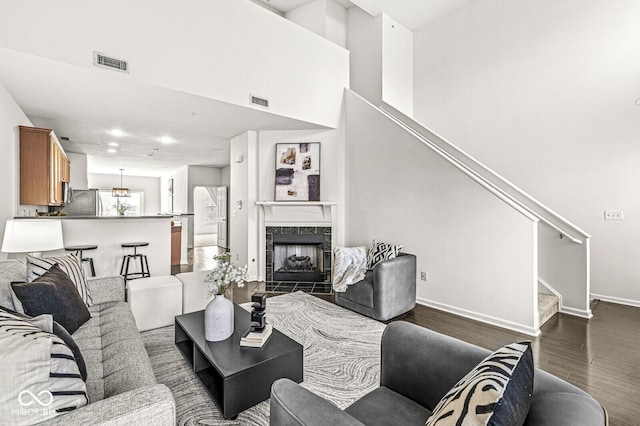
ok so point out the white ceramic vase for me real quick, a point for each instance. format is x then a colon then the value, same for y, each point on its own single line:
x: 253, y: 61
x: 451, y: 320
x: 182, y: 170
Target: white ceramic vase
x: 218, y: 319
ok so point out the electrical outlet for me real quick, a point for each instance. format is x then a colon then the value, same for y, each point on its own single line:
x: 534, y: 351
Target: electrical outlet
x: 613, y: 215
x: 423, y: 276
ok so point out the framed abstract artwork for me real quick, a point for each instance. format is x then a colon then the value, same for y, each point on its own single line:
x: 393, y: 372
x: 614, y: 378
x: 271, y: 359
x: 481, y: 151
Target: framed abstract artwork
x: 298, y: 171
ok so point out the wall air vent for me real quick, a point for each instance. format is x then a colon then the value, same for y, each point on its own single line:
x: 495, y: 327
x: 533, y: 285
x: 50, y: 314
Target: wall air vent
x: 104, y: 61
x: 255, y: 100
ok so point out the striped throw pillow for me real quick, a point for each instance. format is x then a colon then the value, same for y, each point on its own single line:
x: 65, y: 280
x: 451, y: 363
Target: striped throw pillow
x: 70, y: 264
x: 40, y: 378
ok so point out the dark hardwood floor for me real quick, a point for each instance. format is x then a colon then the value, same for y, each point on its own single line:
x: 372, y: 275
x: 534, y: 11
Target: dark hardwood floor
x: 199, y: 259
x: 600, y: 355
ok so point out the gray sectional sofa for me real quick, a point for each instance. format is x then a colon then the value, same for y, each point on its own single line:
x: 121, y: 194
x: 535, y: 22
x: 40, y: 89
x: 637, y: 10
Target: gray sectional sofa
x: 121, y: 385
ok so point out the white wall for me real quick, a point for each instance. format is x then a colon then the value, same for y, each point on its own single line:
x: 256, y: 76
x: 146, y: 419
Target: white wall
x: 310, y: 16
x: 243, y: 180
x: 200, y: 43
x: 336, y: 23
x: 397, y: 65
x: 364, y: 41
x: 11, y: 116
x: 475, y: 248
x: 78, y: 169
x: 381, y: 59
x: 202, y: 176
x: 326, y: 18
x: 225, y: 176
x: 149, y: 185
x: 543, y: 92
x: 180, y: 189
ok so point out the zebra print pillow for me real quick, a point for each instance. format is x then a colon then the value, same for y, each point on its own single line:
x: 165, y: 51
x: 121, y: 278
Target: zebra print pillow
x: 381, y: 251
x: 39, y: 375
x: 496, y: 392
x: 70, y: 264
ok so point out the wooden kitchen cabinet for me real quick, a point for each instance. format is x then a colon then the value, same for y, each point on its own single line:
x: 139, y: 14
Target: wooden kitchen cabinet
x: 43, y: 167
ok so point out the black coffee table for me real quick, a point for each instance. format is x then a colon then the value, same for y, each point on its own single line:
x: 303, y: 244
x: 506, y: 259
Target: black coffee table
x: 237, y: 377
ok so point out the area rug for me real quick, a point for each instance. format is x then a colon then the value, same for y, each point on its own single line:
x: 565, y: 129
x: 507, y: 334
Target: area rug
x: 341, y: 358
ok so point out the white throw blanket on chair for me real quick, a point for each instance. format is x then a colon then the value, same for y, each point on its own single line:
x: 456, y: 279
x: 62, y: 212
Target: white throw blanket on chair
x: 349, y: 266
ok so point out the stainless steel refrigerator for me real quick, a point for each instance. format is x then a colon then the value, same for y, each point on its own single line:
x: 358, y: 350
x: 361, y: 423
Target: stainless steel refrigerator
x: 84, y: 202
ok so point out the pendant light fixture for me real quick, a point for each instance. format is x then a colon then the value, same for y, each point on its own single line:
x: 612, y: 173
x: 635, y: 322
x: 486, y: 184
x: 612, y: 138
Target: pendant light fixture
x: 121, y: 192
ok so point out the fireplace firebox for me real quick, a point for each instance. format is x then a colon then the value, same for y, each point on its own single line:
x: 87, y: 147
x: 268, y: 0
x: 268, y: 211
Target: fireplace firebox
x: 298, y: 257
x: 299, y: 254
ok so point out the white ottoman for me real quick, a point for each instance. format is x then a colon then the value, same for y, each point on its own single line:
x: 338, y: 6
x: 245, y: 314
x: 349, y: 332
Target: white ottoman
x: 195, y: 295
x: 155, y: 301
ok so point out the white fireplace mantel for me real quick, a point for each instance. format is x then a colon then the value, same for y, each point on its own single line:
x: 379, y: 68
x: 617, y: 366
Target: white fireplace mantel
x: 298, y: 212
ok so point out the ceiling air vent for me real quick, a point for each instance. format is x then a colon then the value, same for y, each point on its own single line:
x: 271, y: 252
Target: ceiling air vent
x: 104, y: 61
x: 259, y: 101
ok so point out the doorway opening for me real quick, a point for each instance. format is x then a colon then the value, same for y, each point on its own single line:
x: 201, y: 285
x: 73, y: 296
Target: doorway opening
x: 210, y: 216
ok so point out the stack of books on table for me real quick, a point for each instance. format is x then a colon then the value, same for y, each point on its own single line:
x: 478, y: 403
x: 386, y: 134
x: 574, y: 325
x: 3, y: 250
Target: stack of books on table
x: 256, y: 339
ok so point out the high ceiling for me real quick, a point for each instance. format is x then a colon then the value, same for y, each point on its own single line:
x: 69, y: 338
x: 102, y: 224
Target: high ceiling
x: 413, y: 14
x: 85, y: 105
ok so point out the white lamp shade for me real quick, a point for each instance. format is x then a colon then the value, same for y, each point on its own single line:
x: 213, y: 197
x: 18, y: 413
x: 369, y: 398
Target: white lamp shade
x: 26, y: 236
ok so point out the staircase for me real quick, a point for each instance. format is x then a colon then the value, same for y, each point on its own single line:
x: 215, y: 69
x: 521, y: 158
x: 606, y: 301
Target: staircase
x: 548, y: 306
x: 544, y: 243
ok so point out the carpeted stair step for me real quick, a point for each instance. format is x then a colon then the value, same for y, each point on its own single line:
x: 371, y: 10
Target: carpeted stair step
x: 548, y: 306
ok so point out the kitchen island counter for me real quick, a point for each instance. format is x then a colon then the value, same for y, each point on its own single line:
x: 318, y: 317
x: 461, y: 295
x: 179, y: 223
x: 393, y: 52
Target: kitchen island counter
x: 109, y: 232
x: 96, y: 217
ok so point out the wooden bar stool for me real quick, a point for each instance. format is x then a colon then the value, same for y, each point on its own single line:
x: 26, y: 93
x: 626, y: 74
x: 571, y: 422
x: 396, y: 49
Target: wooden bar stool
x: 126, y: 262
x: 78, y: 252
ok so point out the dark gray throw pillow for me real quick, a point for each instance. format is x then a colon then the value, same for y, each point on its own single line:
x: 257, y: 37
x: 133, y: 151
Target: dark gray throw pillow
x: 53, y: 293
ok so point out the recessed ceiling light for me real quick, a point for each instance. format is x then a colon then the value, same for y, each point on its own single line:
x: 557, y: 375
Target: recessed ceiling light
x: 111, y: 151
x: 117, y: 132
x: 638, y: 102
x: 166, y: 139
x: 114, y: 144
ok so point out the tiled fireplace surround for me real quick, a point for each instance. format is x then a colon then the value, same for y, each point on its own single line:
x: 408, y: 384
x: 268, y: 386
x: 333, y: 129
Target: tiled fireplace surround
x: 318, y: 231
x: 283, y: 219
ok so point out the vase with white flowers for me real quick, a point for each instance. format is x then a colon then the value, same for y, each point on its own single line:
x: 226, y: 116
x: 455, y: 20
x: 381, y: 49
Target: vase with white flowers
x: 218, y: 315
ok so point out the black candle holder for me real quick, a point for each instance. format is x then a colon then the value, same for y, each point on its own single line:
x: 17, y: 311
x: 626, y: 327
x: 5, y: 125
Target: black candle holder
x: 258, y: 307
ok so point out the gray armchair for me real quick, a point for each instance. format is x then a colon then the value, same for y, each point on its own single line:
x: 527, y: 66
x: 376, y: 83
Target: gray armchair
x: 387, y: 290
x: 417, y: 368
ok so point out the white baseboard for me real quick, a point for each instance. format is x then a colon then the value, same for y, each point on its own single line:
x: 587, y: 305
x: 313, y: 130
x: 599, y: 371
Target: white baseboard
x: 618, y: 300
x: 577, y: 312
x: 520, y: 328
